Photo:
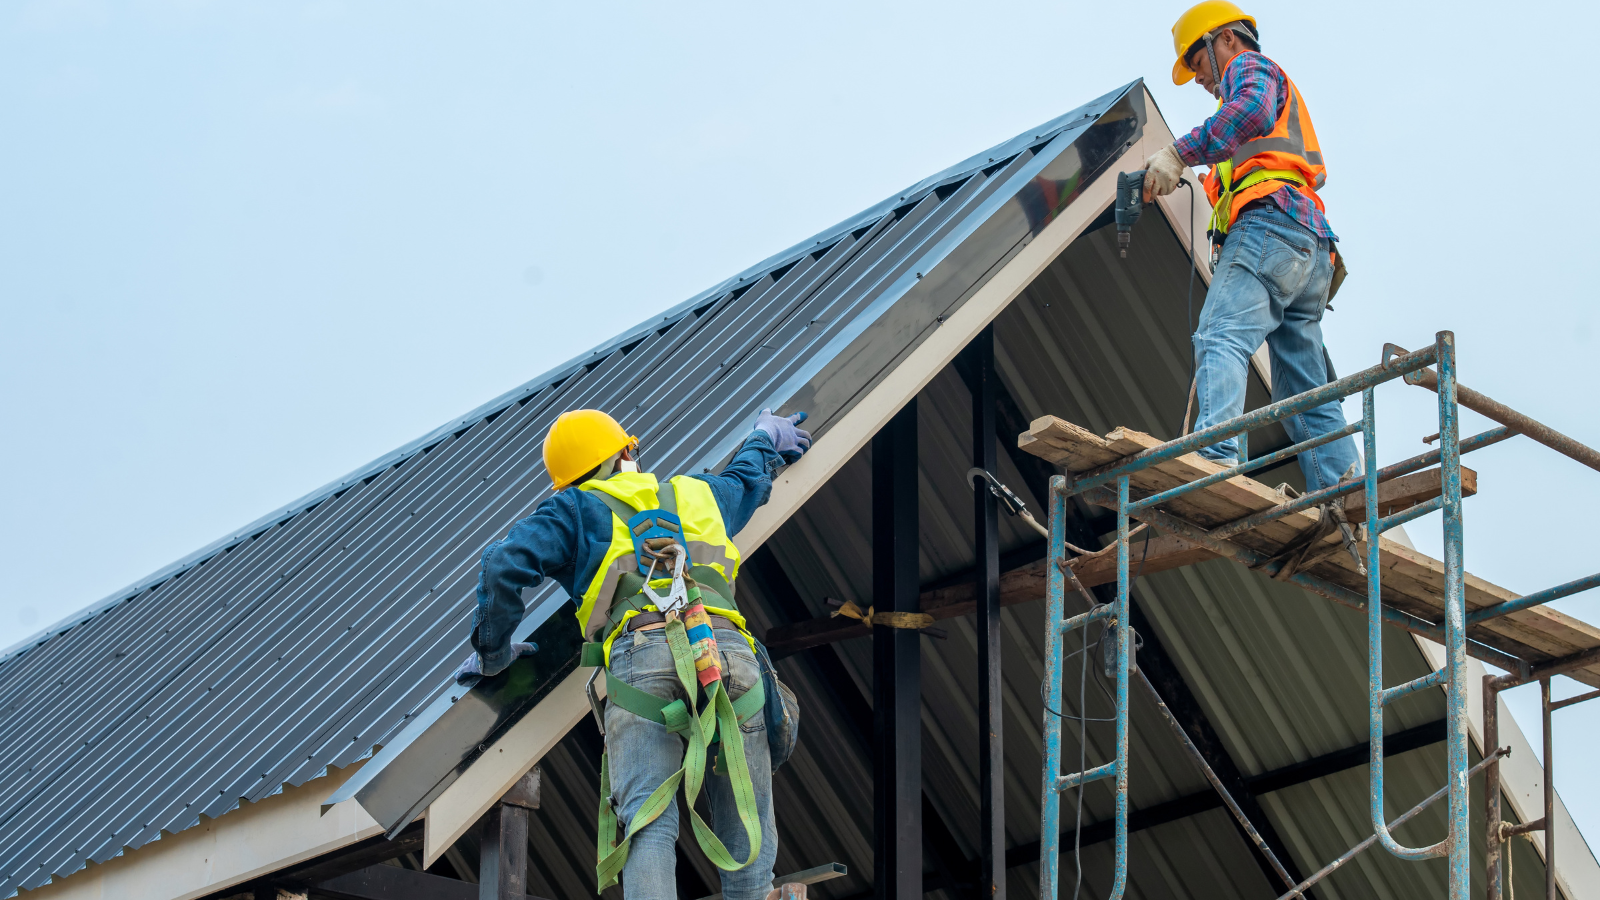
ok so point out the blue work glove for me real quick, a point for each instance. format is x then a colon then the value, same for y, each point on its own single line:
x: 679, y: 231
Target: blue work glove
x: 471, y: 669
x: 789, y: 441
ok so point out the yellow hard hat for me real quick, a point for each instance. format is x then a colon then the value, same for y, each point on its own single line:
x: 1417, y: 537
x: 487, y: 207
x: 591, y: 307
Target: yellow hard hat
x: 579, y: 440
x: 1196, y: 23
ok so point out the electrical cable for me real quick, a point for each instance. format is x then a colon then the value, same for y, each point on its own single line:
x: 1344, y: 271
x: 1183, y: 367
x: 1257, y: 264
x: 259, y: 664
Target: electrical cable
x: 1188, y: 309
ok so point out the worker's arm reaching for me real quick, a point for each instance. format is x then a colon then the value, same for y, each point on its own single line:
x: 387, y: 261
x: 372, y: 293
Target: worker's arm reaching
x: 566, y: 539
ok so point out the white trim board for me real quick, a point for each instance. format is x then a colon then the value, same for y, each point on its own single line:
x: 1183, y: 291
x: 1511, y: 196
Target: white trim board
x: 252, y: 840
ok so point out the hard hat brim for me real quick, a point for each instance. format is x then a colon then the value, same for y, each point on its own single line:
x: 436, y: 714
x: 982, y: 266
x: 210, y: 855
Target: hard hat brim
x: 1181, y: 74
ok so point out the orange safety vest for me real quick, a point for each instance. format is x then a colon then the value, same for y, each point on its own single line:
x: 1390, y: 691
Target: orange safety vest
x: 1288, y: 154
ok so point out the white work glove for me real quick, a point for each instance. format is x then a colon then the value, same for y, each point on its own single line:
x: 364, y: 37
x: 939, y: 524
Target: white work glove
x: 1161, y: 173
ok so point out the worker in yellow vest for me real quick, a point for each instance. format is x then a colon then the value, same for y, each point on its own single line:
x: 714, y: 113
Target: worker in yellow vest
x: 651, y: 568
x: 1278, y: 262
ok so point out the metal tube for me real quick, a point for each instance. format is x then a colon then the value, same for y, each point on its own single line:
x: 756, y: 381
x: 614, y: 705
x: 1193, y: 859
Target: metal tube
x: 1507, y: 416
x: 1124, y: 650
x: 1455, y: 624
x: 1317, y: 498
x: 1216, y: 783
x: 1300, y: 889
x: 1416, y: 684
x: 1374, y: 605
x: 1251, y: 466
x: 1283, y: 409
x: 1549, y: 795
x: 1535, y: 599
x: 1415, y: 512
x: 1050, y: 797
x: 1084, y: 618
x: 1068, y: 782
x: 1559, y: 704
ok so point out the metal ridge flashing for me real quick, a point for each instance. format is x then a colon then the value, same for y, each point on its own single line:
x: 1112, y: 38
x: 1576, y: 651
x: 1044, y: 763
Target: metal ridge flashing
x: 1035, y: 137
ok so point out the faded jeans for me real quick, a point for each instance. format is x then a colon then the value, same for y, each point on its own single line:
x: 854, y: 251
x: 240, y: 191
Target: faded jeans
x: 644, y: 754
x: 1271, y: 284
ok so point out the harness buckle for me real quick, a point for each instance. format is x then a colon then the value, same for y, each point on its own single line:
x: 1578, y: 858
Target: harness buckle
x: 677, y: 597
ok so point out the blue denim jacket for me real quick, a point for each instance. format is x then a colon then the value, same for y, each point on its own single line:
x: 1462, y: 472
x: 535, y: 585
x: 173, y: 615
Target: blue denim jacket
x: 567, y: 536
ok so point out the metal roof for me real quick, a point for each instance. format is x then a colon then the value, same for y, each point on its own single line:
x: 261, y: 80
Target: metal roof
x: 317, y: 632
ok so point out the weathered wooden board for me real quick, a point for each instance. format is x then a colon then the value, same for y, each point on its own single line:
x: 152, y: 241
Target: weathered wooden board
x: 1411, y: 581
x: 1020, y: 585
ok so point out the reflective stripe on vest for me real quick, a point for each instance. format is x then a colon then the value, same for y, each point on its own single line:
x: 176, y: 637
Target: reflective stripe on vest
x: 705, y: 537
x: 1260, y: 167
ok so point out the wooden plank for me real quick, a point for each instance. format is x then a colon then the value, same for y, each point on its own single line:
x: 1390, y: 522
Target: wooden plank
x: 1398, y: 494
x: 1020, y: 585
x: 1412, y: 581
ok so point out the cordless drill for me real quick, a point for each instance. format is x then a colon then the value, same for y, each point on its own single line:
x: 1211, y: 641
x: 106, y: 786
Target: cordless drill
x: 1130, y: 203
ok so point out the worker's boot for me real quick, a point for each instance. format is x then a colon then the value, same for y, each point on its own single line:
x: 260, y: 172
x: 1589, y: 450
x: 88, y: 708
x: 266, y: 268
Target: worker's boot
x: 791, y: 891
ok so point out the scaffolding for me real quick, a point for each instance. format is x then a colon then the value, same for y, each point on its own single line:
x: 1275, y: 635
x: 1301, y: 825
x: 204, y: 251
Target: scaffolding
x: 1305, y: 540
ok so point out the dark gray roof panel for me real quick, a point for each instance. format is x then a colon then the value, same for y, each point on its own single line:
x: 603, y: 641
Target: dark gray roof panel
x: 321, y: 630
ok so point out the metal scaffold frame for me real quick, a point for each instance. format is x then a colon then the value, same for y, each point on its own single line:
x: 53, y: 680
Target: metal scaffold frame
x: 1109, y: 486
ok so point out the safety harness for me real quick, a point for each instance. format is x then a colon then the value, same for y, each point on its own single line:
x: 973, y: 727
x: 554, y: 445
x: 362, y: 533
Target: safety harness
x: 659, y: 546
x: 1221, y: 211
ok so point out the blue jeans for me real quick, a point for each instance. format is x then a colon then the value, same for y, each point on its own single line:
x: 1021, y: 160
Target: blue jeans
x: 643, y: 754
x: 1271, y: 284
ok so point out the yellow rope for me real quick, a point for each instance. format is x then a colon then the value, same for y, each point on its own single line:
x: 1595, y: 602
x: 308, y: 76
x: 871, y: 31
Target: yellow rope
x: 909, y: 620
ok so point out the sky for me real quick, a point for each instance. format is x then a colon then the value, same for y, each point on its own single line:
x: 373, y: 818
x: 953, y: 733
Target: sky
x: 248, y: 247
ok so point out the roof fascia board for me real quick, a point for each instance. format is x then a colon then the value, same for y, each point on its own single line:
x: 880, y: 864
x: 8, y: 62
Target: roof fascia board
x: 1046, y: 132
x: 459, y: 805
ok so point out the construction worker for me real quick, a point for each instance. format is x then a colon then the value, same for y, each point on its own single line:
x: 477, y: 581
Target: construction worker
x: 1278, y: 258
x: 581, y: 536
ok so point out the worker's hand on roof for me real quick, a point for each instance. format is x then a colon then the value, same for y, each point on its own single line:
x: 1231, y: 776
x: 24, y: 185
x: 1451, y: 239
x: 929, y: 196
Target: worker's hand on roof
x: 1161, y: 173
x: 471, y: 668
x: 790, y: 442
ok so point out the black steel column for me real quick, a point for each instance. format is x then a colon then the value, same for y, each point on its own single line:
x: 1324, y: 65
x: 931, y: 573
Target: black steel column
x: 979, y: 358
x: 896, y: 663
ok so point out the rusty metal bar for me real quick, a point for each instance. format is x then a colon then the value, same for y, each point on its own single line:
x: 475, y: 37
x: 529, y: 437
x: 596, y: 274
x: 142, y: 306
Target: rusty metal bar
x: 1535, y: 599
x: 1216, y: 783
x: 1300, y: 889
x: 1549, y: 794
x: 1509, y: 417
x: 1525, y: 828
x: 1572, y: 701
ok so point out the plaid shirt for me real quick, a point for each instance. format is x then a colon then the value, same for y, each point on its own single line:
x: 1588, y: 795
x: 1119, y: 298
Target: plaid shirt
x: 1253, y: 90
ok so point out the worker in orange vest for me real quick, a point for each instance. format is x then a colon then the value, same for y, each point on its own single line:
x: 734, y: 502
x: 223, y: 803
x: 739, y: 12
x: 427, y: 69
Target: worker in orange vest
x: 1278, y: 264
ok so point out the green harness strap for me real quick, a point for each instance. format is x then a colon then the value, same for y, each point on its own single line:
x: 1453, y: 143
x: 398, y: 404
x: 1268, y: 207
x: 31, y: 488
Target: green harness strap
x: 1222, y: 212
x: 700, y: 730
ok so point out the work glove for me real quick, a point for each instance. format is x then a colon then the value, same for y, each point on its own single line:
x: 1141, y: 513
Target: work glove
x: 1161, y: 173
x: 789, y: 441
x: 471, y: 669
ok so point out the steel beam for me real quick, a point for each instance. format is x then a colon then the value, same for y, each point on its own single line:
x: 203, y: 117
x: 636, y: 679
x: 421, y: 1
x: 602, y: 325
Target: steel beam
x: 979, y: 357
x: 896, y: 663
x: 762, y: 570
